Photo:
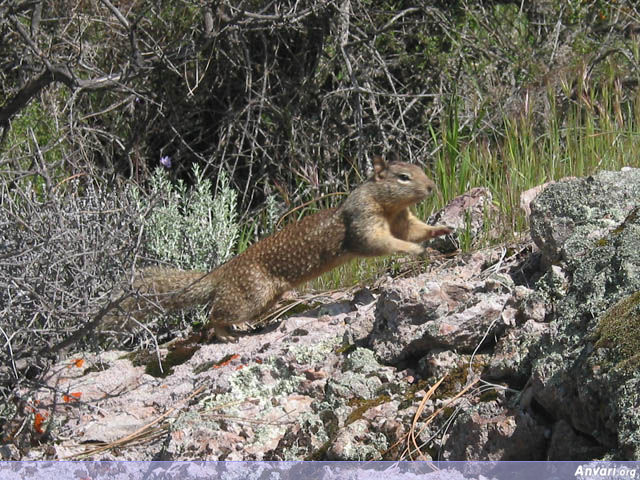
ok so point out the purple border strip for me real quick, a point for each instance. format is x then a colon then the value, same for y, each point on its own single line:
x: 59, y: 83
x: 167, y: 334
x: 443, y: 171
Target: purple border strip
x: 95, y: 470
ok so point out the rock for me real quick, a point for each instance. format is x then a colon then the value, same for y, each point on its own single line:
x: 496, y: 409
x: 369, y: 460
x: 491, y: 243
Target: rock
x: 466, y: 213
x: 360, y: 323
x: 586, y: 371
x: 112, y: 427
x: 438, y: 363
x: 529, y: 195
x: 417, y: 315
x: 528, y: 304
x: 9, y: 452
x: 566, y: 444
x: 357, y: 442
x: 515, y: 352
x: 486, y: 431
x: 569, y: 218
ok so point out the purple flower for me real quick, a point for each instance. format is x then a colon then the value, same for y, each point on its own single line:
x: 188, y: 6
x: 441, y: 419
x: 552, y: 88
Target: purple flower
x: 165, y: 161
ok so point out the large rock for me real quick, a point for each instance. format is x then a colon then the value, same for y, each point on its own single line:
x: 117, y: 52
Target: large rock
x: 417, y: 315
x: 586, y: 373
x: 489, y: 432
x: 569, y: 218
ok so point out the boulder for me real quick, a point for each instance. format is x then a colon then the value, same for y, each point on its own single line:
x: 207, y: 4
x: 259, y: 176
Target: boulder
x: 569, y: 218
x: 586, y: 373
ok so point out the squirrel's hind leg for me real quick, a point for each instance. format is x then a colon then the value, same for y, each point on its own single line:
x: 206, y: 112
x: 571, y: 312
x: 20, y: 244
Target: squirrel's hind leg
x: 221, y: 333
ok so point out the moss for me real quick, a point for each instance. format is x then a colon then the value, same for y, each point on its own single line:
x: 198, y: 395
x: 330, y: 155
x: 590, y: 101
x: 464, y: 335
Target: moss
x: 320, y: 453
x: 619, y: 331
x: 346, y: 348
x: 97, y: 367
x: 137, y: 358
x: 179, y: 353
x: 362, y: 405
x: 303, y: 307
x: 177, y: 356
x: 488, y: 396
x: 455, y: 381
x: 203, y: 367
x: 331, y: 430
x: 632, y: 217
x: 410, y: 395
x: 447, y: 413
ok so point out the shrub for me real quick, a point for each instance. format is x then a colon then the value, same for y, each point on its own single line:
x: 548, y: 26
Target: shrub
x: 188, y: 227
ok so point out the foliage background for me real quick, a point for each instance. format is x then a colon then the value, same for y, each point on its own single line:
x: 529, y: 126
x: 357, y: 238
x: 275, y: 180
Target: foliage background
x: 289, y: 99
x: 293, y: 97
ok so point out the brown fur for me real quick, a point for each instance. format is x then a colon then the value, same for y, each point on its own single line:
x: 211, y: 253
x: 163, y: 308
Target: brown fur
x: 374, y: 220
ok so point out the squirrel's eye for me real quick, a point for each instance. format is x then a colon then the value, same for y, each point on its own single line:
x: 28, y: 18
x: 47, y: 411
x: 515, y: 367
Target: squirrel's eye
x: 404, y: 177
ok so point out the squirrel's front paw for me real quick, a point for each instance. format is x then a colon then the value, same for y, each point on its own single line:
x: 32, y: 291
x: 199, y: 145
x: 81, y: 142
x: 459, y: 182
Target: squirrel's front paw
x: 439, y: 230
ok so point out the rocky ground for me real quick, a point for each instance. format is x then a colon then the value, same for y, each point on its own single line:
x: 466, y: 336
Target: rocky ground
x: 526, y: 351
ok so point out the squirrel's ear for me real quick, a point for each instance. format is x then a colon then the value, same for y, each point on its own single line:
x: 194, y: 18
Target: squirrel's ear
x: 379, y: 166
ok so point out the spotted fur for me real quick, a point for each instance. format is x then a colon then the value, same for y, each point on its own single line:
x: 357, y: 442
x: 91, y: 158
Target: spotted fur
x: 374, y: 220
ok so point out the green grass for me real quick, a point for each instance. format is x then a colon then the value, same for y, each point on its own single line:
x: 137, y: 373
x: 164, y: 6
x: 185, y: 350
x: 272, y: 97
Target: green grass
x: 597, y: 133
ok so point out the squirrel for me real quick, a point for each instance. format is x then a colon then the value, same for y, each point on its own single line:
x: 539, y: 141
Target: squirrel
x: 373, y: 220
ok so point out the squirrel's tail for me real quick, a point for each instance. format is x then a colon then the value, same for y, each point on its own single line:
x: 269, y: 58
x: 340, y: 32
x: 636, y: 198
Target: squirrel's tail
x: 173, y: 289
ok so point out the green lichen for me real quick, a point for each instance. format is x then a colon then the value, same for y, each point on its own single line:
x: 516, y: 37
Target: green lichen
x: 361, y: 360
x: 262, y: 382
x: 369, y: 448
x: 316, y: 353
x: 316, y: 434
x: 619, y: 331
x: 349, y: 385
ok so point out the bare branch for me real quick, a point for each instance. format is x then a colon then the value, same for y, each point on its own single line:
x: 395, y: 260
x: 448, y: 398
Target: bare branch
x: 54, y: 73
x: 117, y: 13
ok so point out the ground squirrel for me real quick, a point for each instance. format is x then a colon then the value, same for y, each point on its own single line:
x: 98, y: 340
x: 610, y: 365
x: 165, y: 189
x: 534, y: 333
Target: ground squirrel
x: 373, y: 220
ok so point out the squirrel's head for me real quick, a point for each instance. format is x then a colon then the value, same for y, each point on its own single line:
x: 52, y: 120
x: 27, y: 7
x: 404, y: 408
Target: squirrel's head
x: 405, y: 183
